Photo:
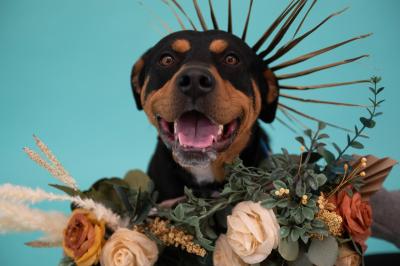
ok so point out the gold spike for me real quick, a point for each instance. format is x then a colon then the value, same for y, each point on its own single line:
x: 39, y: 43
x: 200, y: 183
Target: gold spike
x: 304, y: 18
x: 246, y: 26
x: 285, y: 124
x: 175, y: 14
x: 274, y: 25
x: 184, y: 13
x: 291, y: 44
x: 319, y: 101
x: 213, y: 17
x: 200, y: 15
x: 157, y: 17
x: 316, y: 53
x: 321, y: 86
x: 230, y: 16
x: 313, y: 118
x: 320, y: 68
x: 282, y: 31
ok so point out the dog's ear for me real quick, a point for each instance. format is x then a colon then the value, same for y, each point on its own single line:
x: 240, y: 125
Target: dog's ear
x: 137, y: 78
x: 269, y: 97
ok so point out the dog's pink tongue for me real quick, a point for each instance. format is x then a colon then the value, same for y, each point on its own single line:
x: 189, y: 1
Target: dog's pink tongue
x: 195, y: 130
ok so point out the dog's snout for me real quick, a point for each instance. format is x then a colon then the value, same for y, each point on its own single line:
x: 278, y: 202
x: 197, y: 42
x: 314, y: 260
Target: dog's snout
x: 195, y: 82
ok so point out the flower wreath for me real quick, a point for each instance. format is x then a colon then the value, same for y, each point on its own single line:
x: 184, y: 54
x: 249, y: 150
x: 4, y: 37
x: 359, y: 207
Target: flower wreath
x: 292, y: 208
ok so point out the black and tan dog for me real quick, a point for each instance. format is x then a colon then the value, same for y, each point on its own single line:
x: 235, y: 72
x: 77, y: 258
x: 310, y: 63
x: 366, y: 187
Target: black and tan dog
x: 204, y: 92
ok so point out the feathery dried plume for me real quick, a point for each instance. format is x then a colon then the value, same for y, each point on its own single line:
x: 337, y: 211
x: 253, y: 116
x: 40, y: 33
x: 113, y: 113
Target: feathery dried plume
x: 20, y: 218
x: 55, y: 168
x: 101, y: 212
x: 20, y: 194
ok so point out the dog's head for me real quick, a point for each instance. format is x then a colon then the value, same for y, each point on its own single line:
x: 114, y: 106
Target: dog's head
x: 203, y: 91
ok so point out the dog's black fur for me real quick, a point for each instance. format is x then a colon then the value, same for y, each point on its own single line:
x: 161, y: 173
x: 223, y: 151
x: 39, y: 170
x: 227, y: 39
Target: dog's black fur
x: 152, y: 77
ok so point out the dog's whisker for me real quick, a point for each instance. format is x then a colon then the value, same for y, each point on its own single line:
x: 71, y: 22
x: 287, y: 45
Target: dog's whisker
x: 293, y: 43
x: 230, y: 16
x: 200, y: 15
x: 304, y: 18
x: 213, y: 17
x: 310, y: 55
x: 274, y: 25
x: 246, y: 26
x: 321, y: 86
x: 184, y: 13
x: 284, y: 29
x: 320, y: 101
x: 313, y: 118
x: 175, y: 14
x: 320, y: 68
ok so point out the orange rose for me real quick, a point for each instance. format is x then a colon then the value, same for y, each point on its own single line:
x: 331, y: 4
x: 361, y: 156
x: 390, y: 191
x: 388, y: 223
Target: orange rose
x: 83, y: 238
x: 357, y: 216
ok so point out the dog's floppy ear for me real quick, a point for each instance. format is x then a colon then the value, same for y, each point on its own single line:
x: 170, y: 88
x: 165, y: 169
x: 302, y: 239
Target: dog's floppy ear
x: 138, y: 77
x: 269, y: 97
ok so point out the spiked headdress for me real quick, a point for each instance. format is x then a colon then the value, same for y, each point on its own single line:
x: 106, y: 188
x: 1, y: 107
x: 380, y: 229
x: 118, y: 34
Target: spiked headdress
x: 275, y: 50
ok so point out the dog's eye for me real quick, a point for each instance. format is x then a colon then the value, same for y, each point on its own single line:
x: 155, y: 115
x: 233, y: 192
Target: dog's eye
x: 166, y: 60
x: 231, y: 59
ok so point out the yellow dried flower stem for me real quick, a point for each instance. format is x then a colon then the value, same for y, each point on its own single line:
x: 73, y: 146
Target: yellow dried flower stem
x: 172, y: 236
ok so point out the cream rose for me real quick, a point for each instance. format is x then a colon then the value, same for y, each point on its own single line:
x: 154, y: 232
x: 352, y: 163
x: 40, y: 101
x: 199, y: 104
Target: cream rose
x: 224, y: 255
x: 253, y: 231
x: 129, y: 248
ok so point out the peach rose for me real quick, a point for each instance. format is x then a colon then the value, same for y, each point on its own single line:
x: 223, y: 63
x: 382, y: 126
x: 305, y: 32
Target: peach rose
x: 253, y: 231
x: 224, y: 255
x: 129, y: 248
x: 357, y: 216
x: 83, y: 238
x: 347, y: 257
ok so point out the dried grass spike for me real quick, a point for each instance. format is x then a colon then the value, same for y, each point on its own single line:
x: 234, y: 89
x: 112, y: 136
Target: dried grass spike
x: 304, y: 18
x: 320, y: 101
x: 322, y: 86
x: 305, y: 57
x: 213, y: 17
x: 230, y: 16
x: 200, y: 15
x: 185, y: 14
x: 246, y: 25
x: 175, y: 14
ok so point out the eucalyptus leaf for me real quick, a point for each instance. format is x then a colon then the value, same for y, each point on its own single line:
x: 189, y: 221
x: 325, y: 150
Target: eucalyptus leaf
x: 66, y: 261
x: 289, y: 250
x: 323, y: 252
x: 138, y: 180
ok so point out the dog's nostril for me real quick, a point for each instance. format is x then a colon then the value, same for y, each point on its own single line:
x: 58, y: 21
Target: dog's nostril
x: 205, y: 82
x: 184, y: 81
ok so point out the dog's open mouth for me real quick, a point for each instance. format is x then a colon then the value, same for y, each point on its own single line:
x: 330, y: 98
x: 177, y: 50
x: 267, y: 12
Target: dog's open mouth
x: 195, y: 138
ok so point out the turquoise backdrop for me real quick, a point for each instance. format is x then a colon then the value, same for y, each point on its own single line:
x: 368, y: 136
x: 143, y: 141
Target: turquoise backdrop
x: 64, y: 75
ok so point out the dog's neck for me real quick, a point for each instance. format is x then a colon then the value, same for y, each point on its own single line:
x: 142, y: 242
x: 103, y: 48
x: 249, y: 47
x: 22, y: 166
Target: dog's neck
x: 202, y: 175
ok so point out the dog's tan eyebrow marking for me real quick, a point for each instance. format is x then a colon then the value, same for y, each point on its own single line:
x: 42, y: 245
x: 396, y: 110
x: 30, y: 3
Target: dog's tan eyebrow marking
x: 181, y: 46
x: 218, y: 46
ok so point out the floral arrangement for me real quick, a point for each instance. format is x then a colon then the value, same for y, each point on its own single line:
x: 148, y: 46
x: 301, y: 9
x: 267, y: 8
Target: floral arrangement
x: 306, y: 209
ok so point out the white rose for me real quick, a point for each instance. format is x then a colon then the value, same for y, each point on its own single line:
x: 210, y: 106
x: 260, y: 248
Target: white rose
x: 224, y: 255
x: 253, y: 231
x: 129, y: 248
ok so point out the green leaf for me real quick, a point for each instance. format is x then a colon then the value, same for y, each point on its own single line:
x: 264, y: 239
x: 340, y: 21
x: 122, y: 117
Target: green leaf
x: 321, y: 125
x: 294, y: 234
x: 284, y: 231
x: 300, y: 189
x: 337, y: 148
x: 380, y: 90
x: 278, y: 184
x: 138, y: 180
x: 369, y: 123
x: 269, y: 203
x: 321, y: 179
x: 289, y: 250
x: 308, y: 133
x: 66, y: 261
x: 67, y: 190
x: 357, y: 145
x: 308, y: 213
x: 323, y: 136
x: 179, y: 212
x: 328, y: 156
x: 323, y: 252
x: 301, y: 140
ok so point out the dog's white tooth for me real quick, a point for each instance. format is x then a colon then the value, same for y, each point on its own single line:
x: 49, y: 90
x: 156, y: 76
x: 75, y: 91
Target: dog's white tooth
x: 220, y: 129
x: 203, y: 150
x: 175, y: 127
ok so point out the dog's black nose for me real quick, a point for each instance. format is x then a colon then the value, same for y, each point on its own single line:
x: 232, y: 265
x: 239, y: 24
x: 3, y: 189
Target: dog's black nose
x: 195, y: 82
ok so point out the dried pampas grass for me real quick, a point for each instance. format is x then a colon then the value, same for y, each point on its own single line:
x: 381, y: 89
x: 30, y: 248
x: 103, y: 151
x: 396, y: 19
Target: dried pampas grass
x: 16, y: 217
x: 18, y: 194
x: 54, y: 167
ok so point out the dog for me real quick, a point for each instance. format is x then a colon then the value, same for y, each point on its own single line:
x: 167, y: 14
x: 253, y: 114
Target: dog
x: 204, y: 92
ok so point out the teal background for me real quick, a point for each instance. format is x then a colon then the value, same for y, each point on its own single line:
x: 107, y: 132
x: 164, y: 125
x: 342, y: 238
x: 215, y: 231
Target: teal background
x: 64, y: 75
